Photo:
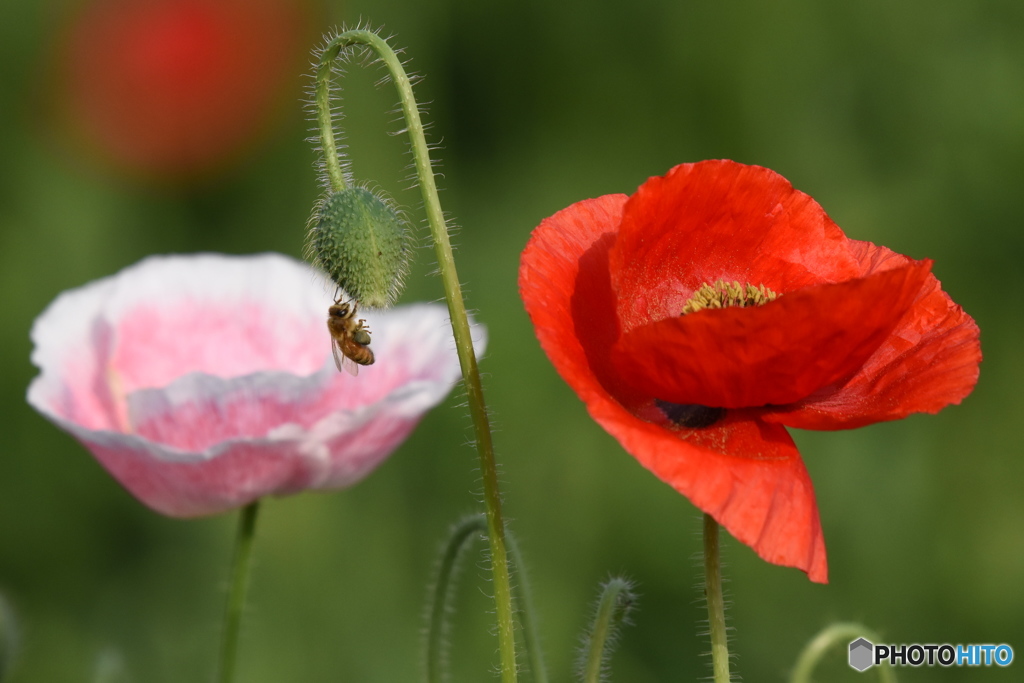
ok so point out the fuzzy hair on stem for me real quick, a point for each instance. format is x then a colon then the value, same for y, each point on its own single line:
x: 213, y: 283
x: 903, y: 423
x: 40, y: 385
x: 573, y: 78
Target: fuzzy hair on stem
x: 611, y: 612
x: 457, y: 309
x: 437, y: 641
x: 356, y: 233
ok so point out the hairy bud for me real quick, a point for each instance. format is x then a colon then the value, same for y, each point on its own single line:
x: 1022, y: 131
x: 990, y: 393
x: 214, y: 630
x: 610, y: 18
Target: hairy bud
x: 362, y: 242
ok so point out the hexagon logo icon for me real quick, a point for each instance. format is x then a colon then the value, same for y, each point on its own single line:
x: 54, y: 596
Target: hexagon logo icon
x: 861, y: 651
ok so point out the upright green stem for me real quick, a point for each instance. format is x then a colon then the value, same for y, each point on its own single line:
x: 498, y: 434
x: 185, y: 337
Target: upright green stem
x: 456, y: 311
x: 716, y: 603
x: 236, y: 591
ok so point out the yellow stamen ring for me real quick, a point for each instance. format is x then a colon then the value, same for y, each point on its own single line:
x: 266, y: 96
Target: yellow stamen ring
x: 727, y: 295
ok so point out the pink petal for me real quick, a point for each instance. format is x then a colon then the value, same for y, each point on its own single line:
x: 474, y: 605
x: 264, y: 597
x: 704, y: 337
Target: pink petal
x: 202, y: 383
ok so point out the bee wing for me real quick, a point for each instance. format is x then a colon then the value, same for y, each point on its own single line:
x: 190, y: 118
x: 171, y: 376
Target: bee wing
x: 337, y: 356
x: 341, y: 361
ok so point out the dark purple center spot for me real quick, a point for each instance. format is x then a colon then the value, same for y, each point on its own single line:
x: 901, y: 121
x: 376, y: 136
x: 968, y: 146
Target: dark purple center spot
x: 690, y: 415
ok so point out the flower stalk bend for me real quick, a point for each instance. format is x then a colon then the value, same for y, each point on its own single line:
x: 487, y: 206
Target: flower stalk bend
x: 716, y: 602
x: 837, y: 634
x: 237, y: 590
x: 461, y: 536
x: 613, y: 608
x: 453, y: 295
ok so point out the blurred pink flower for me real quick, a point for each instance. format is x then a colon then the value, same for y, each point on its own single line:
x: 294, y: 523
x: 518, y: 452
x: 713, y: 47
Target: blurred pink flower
x: 204, y: 382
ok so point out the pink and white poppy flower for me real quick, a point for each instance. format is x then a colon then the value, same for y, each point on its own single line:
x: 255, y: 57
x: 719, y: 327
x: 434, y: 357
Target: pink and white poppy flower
x: 204, y: 382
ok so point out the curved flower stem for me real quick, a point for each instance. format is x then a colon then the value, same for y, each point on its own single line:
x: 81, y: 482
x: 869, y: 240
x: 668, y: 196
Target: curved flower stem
x: 459, y: 538
x: 461, y: 535
x: 236, y: 592
x: 613, y: 608
x: 835, y: 634
x: 456, y: 310
x: 322, y: 99
x: 526, y: 611
x: 716, y: 603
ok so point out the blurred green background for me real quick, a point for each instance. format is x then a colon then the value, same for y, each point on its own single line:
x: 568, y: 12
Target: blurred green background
x: 904, y: 119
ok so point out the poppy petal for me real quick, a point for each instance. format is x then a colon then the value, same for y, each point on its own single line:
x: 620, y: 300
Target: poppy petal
x: 720, y: 220
x: 203, y: 382
x: 774, y: 354
x: 745, y: 473
x: 860, y: 334
x: 563, y: 268
x: 929, y: 361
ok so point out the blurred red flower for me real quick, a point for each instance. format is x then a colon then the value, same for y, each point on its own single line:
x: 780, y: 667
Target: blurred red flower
x: 204, y: 382
x: 174, y: 88
x: 702, y: 398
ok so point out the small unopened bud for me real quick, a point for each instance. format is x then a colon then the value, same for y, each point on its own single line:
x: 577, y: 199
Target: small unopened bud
x: 362, y: 242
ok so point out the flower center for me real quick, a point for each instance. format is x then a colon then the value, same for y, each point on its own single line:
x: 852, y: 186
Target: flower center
x: 726, y: 295
x: 690, y: 415
x: 719, y: 295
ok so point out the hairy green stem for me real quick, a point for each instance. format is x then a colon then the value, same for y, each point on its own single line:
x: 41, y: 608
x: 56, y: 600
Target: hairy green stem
x: 612, y: 609
x: 524, y: 594
x: 716, y: 603
x: 836, y: 634
x: 236, y: 591
x: 461, y: 534
x: 456, y: 311
x: 322, y: 97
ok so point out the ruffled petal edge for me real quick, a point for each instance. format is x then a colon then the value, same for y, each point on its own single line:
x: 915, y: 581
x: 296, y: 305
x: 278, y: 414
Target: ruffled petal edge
x: 929, y: 361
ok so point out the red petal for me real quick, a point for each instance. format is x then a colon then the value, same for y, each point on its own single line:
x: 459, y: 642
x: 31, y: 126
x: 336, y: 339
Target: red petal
x: 719, y: 220
x: 773, y: 354
x: 563, y: 280
x: 747, y: 474
x: 929, y: 361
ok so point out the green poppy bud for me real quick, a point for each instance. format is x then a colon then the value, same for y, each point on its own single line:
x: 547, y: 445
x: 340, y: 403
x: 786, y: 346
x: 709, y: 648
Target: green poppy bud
x: 362, y: 242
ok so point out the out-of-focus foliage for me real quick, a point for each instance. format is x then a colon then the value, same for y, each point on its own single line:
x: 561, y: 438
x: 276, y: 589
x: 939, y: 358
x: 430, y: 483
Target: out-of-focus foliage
x: 905, y: 120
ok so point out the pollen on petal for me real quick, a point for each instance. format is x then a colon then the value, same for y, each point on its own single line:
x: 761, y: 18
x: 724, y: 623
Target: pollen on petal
x: 773, y: 354
x: 727, y: 295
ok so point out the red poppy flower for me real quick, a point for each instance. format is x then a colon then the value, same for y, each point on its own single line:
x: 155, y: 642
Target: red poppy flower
x: 172, y: 88
x: 843, y: 334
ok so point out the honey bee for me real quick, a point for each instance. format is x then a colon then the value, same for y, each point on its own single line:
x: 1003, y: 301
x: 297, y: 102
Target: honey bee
x: 349, y: 339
